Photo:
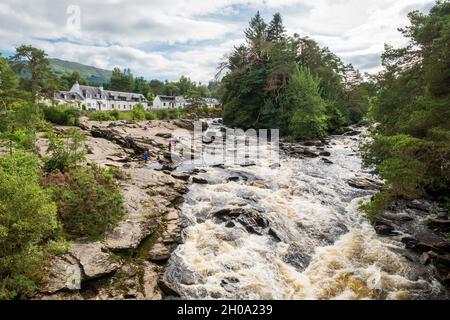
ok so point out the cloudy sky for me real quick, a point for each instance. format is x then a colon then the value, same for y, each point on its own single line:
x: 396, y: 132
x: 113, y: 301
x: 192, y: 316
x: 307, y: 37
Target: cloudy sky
x: 164, y: 39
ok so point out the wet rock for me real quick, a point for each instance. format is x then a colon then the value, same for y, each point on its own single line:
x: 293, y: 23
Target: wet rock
x: 199, y: 180
x: 325, y: 160
x: 229, y: 284
x: 251, y: 220
x: 313, y: 143
x: 181, y: 176
x: 325, y: 154
x: 385, y: 230
x: 248, y: 164
x: 62, y: 273
x: 233, y: 179
x: 421, y: 205
x: 440, y: 224
x: 275, y: 166
x: 184, y: 124
x: 94, y: 259
x: 365, y: 183
x: 297, y: 257
x: 178, y: 273
x: 129, y: 234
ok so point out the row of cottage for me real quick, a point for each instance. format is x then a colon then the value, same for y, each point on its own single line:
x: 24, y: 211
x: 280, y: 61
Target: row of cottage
x: 96, y: 98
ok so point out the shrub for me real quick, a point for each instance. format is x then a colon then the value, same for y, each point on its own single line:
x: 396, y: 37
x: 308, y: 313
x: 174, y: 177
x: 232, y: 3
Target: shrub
x: 101, y: 116
x: 138, y: 112
x: 66, y: 150
x: 162, y: 114
x: 151, y: 115
x: 27, y: 217
x: 62, y: 115
x: 88, y: 202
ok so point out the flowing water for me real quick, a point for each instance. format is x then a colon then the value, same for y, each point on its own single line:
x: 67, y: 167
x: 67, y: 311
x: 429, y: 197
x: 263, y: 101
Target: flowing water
x: 316, y: 244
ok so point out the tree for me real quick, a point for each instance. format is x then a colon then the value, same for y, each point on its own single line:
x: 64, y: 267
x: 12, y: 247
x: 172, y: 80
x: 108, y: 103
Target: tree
x: 9, y: 84
x: 122, y: 81
x: 307, y: 118
x: 411, y: 145
x: 33, y: 65
x: 68, y: 80
x: 276, y: 30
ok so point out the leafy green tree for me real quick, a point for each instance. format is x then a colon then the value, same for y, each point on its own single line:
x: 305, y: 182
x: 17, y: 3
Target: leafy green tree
x: 411, y: 144
x: 307, y: 118
x: 138, y: 112
x: 122, y: 81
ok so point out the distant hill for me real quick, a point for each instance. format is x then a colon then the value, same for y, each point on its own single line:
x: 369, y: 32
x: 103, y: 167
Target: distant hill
x: 91, y: 74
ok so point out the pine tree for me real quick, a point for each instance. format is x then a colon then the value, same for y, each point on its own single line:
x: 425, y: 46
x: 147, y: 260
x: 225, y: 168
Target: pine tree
x: 276, y: 30
x: 257, y: 29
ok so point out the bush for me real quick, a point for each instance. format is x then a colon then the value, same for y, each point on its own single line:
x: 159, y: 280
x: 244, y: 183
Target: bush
x: 138, y: 112
x: 162, y: 114
x: 102, y: 116
x: 62, y: 115
x: 67, y: 150
x: 151, y: 115
x: 88, y: 202
x: 27, y: 217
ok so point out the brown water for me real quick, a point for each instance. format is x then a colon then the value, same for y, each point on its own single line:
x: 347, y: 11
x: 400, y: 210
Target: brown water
x: 327, y: 249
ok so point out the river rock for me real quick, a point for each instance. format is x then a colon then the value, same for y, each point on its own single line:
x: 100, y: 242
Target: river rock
x: 365, y: 183
x: 325, y: 160
x: 297, y: 257
x: 440, y: 224
x: 421, y: 205
x: 313, y: 143
x: 94, y: 259
x: 62, y: 273
x: 129, y: 234
x: 251, y: 220
x: 325, y: 154
x: 181, y: 176
x: 199, y: 180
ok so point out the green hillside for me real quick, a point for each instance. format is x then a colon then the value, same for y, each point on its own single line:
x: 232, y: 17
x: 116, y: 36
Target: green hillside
x: 91, y: 74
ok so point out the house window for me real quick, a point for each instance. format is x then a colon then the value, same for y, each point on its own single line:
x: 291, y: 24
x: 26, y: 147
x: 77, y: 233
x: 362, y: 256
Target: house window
x: 164, y: 104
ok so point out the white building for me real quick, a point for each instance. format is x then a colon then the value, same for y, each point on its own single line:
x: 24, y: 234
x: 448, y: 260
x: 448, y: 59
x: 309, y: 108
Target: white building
x: 169, y: 102
x: 96, y: 98
x: 211, y: 102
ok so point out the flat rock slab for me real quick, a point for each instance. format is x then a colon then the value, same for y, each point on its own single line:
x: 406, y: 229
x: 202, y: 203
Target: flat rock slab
x: 94, y: 259
x: 129, y: 234
x: 62, y: 273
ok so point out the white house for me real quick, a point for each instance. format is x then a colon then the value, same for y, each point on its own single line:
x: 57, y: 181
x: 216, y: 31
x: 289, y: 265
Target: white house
x: 169, y: 102
x: 96, y: 98
x: 211, y: 102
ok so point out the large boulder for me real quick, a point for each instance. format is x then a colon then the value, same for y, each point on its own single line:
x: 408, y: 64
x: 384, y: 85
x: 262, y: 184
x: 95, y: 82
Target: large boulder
x: 62, y: 273
x: 251, y: 220
x: 130, y: 233
x: 94, y: 259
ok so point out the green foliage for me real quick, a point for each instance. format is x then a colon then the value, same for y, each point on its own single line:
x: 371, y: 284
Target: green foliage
x: 27, y: 217
x: 411, y: 144
x: 9, y: 84
x: 18, y: 124
x: 138, y: 112
x: 88, y: 202
x: 307, y: 118
x: 289, y: 83
x: 36, y: 76
x: 62, y: 115
x: 67, y: 150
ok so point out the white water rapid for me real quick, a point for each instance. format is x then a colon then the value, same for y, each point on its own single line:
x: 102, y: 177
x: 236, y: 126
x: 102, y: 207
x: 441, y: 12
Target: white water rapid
x: 312, y: 244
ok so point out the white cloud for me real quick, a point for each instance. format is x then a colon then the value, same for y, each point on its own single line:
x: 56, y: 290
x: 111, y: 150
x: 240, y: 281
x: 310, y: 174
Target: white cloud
x: 167, y: 38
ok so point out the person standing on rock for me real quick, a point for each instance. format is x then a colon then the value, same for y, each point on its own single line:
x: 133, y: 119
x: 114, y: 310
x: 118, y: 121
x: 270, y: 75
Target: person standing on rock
x: 146, y: 156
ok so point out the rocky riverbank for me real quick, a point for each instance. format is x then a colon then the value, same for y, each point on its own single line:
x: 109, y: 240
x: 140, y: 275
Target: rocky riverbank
x: 128, y: 261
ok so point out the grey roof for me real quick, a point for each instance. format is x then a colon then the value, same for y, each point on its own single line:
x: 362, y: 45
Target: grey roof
x: 167, y: 98
x: 211, y: 101
x: 99, y: 93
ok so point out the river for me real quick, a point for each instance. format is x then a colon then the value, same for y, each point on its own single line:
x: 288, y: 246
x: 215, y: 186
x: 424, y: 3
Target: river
x: 289, y: 231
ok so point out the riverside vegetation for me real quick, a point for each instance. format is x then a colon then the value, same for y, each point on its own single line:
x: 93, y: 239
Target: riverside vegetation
x: 271, y: 81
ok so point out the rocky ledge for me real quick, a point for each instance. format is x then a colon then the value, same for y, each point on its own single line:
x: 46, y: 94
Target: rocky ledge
x: 128, y: 262
x: 423, y: 227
